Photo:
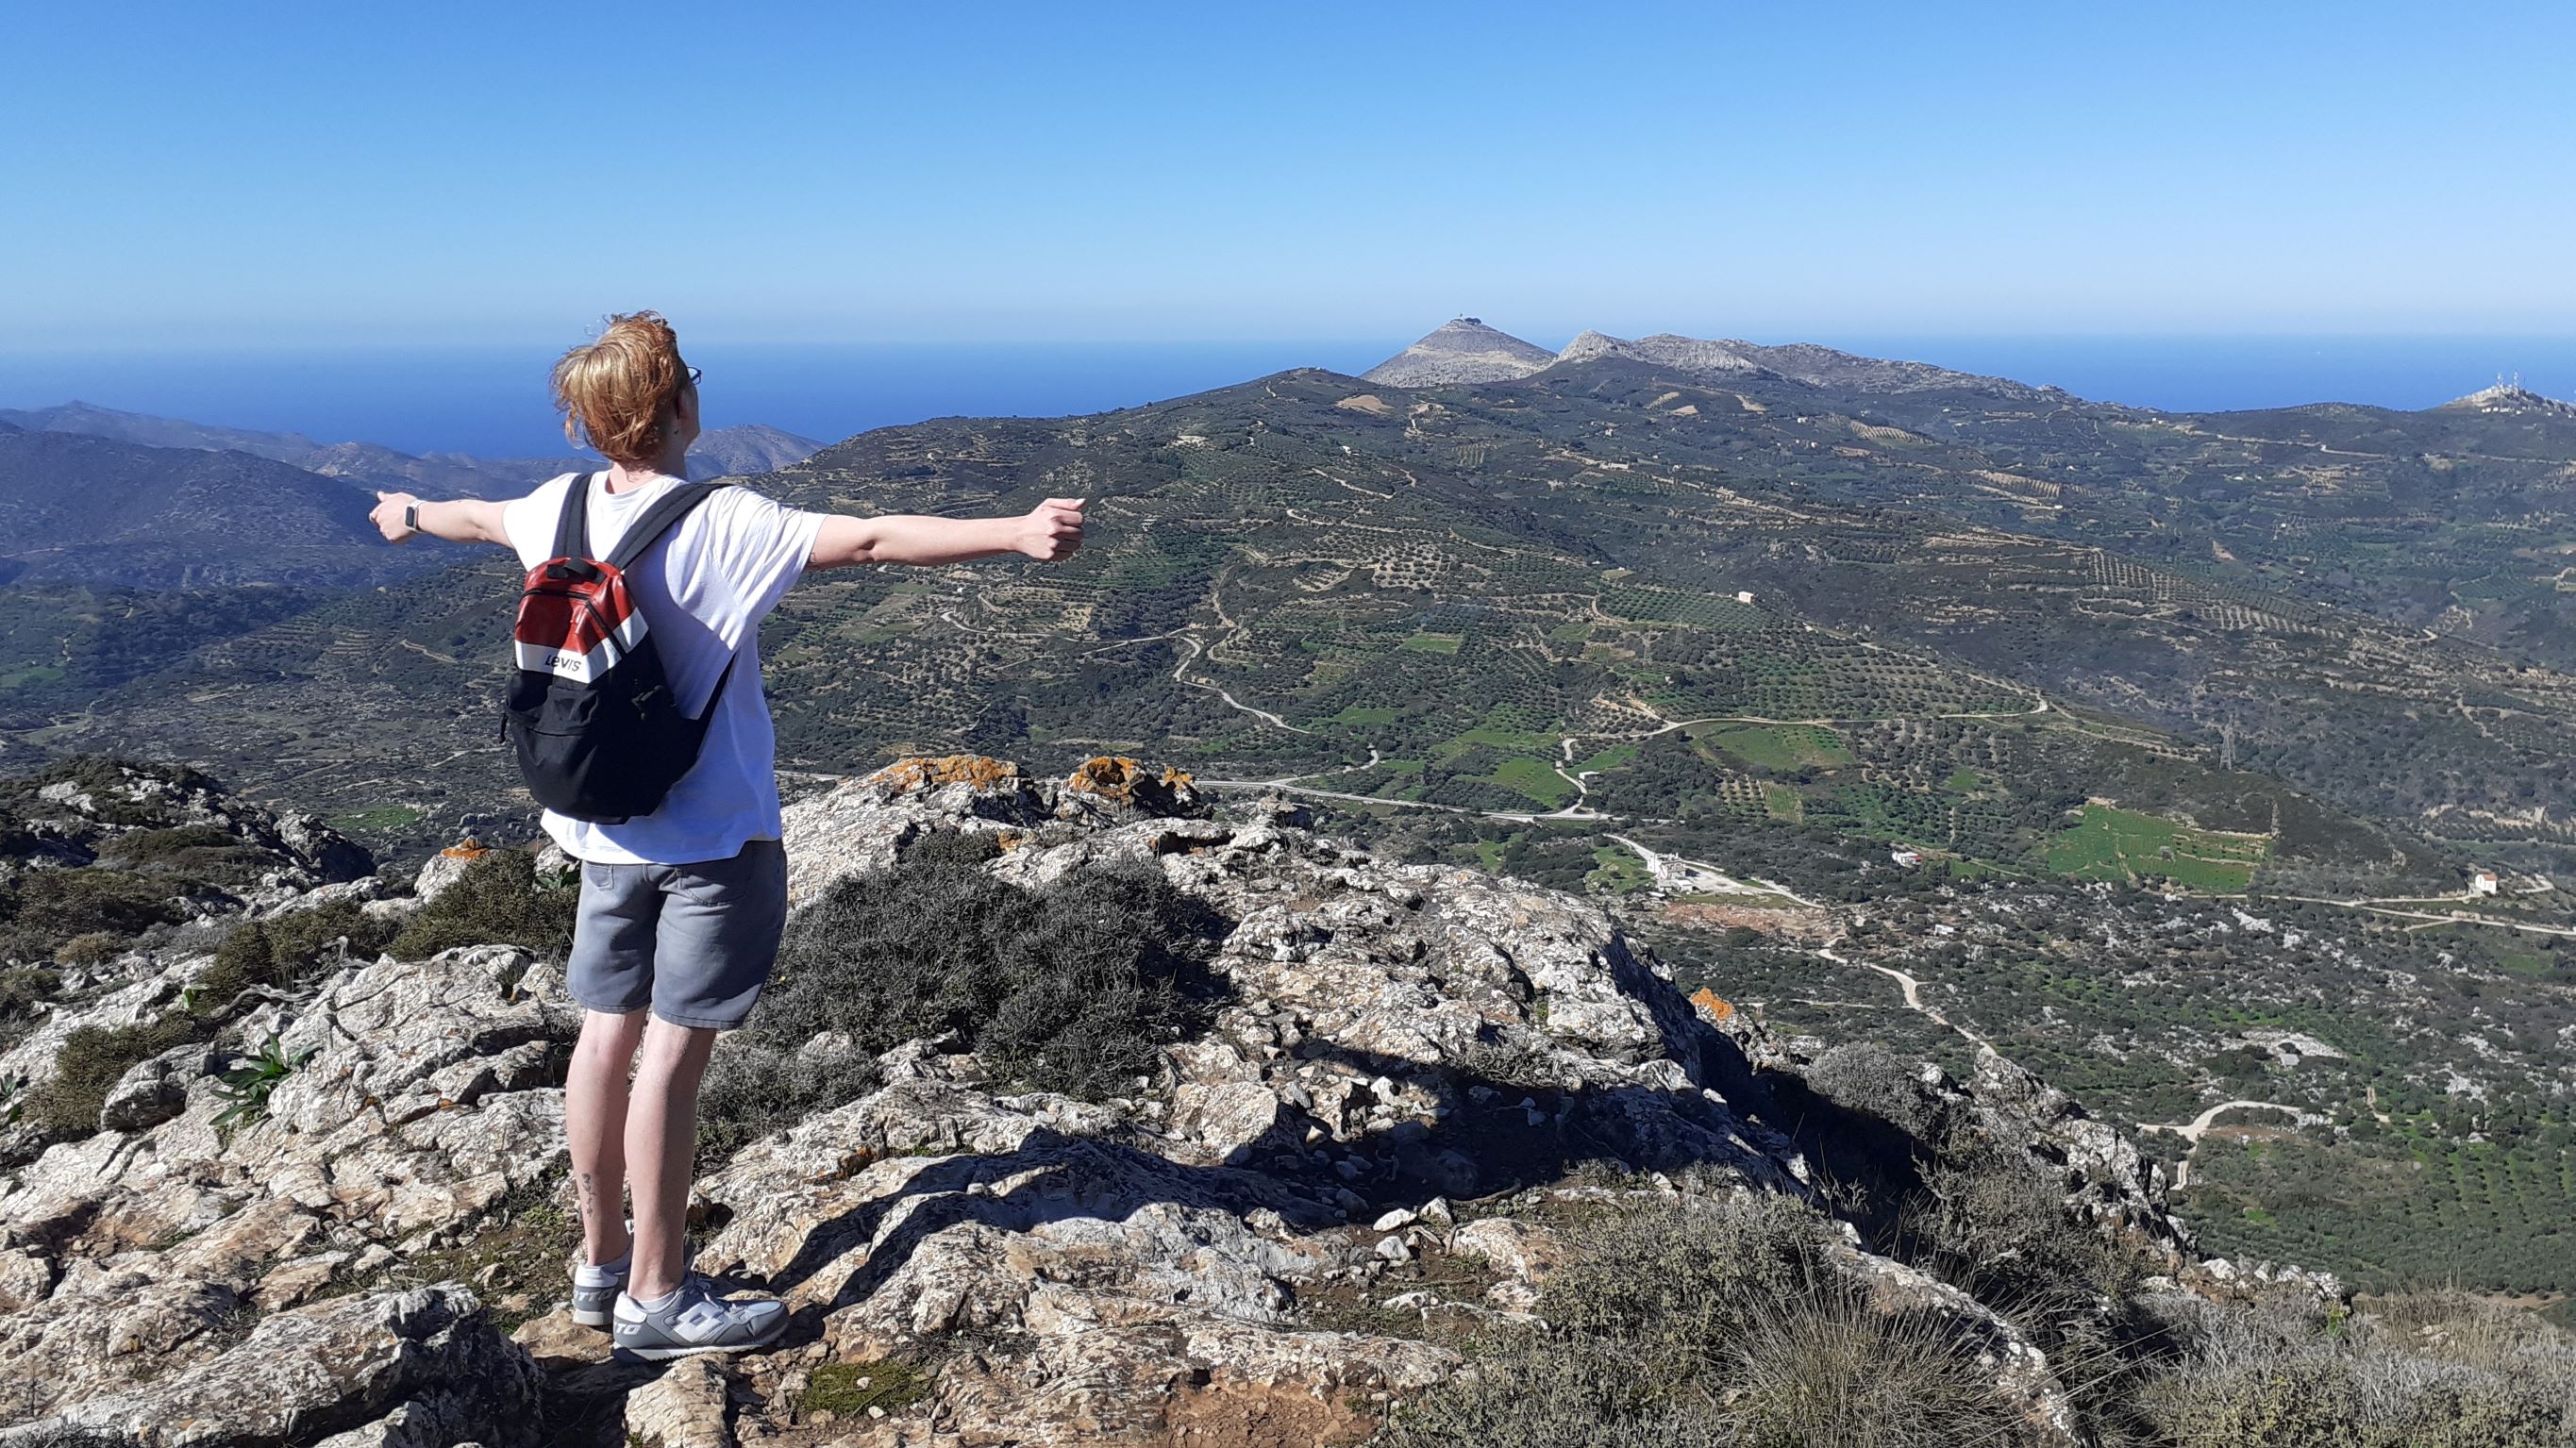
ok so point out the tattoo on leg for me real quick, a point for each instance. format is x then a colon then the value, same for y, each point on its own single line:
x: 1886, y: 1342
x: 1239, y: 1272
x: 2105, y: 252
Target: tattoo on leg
x: 589, y: 1194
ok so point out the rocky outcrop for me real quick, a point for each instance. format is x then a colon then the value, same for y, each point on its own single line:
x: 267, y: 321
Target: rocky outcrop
x: 413, y: 1369
x: 427, y: 1097
x: 1682, y: 354
x: 1386, y: 1040
x: 72, y: 813
x: 2513, y: 399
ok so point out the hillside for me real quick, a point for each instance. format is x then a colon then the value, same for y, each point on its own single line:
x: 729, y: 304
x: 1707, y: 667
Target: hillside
x: 1426, y: 1158
x: 86, y: 509
x: 2114, y: 711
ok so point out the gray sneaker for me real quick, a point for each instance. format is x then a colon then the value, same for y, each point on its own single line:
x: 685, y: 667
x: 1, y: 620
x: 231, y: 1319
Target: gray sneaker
x: 595, y: 1289
x: 695, y: 1320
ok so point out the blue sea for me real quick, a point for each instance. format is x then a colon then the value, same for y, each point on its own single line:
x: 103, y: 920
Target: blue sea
x: 492, y: 401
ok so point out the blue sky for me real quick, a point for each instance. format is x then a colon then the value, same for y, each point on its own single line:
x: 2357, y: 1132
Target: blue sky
x: 192, y: 175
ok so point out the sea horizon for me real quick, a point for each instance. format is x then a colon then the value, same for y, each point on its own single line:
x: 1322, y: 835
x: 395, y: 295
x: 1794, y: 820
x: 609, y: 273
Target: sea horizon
x: 490, y: 400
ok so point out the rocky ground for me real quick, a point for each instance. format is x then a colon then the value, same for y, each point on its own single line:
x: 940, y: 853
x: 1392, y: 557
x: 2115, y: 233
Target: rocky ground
x: 1413, y: 1076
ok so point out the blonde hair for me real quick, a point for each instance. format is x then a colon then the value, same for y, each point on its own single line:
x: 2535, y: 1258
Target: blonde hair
x: 617, y: 393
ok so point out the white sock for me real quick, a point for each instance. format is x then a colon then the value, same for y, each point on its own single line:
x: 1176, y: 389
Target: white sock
x: 600, y: 1274
x: 656, y: 1304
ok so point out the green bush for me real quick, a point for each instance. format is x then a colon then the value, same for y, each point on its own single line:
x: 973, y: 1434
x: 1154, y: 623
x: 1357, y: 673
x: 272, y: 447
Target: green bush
x: 285, y: 951
x: 42, y: 909
x: 1074, y: 988
x: 497, y: 901
x: 91, y: 1062
x: 196, y: 853
x: 282, y: 952
x: 23, y: 988
x: 96, y: 947
x: 248, y: 1086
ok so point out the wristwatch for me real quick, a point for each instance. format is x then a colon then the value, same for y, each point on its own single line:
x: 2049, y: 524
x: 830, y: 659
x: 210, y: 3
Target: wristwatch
x: 411, y: 517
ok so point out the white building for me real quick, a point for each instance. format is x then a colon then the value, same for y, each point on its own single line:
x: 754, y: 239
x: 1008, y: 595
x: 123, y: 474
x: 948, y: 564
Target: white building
x: 2484, y: 882
x: 1906, y: 858
x: 1744, y: 595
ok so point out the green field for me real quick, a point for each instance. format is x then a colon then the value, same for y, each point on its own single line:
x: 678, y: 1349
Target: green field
x: 381, y: 817
x: 1534, y: 778
x: 1610, y: 758
x: 1434, y: 643
x: 2120, y: 844
x: 1621, y: 872
x: 1779, y: 746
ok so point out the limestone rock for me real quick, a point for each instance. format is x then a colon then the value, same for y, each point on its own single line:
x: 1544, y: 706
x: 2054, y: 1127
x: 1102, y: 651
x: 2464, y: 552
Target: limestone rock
x: 153, y: 1091
x: 427, y: 1358
x: 683, y: 1408
x: 1525, y: 1251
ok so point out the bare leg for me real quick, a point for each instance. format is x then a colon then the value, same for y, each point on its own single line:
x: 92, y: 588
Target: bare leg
x: 661, y: 1143
x: 595, y: 1127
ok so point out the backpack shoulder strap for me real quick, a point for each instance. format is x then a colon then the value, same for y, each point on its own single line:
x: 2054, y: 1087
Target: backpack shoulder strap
x: 572, y: 526
x: 658, y: 519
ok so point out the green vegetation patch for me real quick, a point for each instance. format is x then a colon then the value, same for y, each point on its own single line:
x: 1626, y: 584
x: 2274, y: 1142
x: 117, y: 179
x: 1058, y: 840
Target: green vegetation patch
x: 375, y: 818
x: 2119, y: 844
x: 1434, y: 643
x: 287, y: 950
x: 43, y: 909
x: 1780, y: 746
x: 1621, y: 872
x: 848, y: 1390
x: 1535, y: 778
x: 1609, y: 758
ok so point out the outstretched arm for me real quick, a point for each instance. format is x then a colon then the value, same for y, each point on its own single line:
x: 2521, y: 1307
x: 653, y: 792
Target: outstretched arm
x: 458, y: 520
x: 1048, y: 532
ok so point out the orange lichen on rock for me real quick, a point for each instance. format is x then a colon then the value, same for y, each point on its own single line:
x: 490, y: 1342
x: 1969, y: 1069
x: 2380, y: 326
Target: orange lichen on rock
x: 927, y: 772
x: 1120, y: 787
x: 1712, y: 1007
x: 1110, y: 776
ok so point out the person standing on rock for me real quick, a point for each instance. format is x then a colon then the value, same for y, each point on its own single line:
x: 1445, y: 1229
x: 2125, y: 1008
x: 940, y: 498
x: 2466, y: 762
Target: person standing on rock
x: 681, y: 908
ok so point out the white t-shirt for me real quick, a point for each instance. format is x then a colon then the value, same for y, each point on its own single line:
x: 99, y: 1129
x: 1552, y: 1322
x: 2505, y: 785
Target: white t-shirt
x: 703, y: 590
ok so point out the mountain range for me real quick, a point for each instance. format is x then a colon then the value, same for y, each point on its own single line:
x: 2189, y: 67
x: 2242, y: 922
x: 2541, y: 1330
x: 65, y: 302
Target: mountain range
x: 97, y: 497
x: 721, y: 452
x: 1467, y: 351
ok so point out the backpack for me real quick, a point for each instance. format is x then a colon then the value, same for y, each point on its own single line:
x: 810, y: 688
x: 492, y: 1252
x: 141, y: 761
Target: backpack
x: 590, y: 714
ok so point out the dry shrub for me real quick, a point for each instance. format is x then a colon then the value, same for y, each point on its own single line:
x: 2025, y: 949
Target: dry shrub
x: 1076, y: 987
x: 2428, y: 1370
x: 1700, y: 1322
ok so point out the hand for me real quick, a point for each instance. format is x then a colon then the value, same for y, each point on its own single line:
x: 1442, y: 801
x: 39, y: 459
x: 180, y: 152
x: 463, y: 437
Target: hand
x: 1052, y: 530
x: 388, y: 516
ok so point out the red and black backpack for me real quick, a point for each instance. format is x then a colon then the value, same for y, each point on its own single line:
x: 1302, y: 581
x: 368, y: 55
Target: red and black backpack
x: 590, y: 714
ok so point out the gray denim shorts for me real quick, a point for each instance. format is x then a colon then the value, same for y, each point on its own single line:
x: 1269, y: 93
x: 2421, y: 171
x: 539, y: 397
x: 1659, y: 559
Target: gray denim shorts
x: 694, y: 942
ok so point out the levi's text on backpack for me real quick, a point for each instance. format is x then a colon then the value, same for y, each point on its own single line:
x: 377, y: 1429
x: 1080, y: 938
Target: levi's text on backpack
x: 590, y: 715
